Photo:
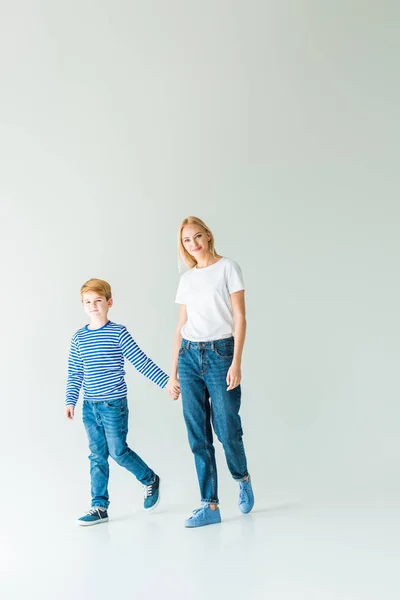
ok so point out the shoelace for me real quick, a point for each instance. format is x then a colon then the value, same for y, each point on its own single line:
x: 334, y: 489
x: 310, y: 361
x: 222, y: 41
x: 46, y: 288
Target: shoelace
x: 148, y: 490
x: 244, y: 492
x: 199, y: 512
x: 93, y: 511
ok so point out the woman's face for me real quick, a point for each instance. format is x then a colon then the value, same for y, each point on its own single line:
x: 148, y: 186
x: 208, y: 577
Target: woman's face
x: 195, y: 240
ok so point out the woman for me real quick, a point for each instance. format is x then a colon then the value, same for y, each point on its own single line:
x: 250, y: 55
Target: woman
x: 207, y: 357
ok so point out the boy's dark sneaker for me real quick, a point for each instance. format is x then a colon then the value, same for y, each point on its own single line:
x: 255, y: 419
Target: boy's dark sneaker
x: 93, y: 516
x: 152, y: 494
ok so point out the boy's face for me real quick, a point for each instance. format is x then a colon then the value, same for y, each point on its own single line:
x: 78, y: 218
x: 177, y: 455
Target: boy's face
x: 96, y: 306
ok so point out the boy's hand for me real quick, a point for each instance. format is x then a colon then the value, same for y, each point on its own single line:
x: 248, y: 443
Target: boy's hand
x: 69, y: 412
x: 173, y: 388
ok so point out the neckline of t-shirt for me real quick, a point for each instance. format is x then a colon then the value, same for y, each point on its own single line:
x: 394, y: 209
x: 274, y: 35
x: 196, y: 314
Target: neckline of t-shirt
x: 98, y: 328
x: 210, y: 266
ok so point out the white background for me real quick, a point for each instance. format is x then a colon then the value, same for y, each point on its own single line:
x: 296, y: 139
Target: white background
x: 278, y: 124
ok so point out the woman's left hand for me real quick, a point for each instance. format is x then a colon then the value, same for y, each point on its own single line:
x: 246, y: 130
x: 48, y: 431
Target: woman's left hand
x: 233, y: 377
x: 173, y: 388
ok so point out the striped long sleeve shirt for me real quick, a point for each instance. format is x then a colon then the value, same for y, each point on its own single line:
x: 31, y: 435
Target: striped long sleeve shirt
x: 96, y: 361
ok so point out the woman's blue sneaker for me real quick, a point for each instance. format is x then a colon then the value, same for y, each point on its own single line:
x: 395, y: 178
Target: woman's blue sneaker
x: 93, y: 516
x: 152, y: 494
x: 203, y: 516
x: 246, y: 496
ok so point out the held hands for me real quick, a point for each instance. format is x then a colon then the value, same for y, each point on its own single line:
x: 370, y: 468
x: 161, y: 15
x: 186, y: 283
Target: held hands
x: 233, y: 377
x: 173, y: 388
x: 69, y: 412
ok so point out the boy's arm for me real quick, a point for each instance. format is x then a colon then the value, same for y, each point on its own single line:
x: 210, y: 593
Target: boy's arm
x: 140, y: 361
x: 75, y: 375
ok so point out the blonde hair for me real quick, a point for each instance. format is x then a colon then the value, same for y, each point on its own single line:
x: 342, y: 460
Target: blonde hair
x: 98, y: 286
x: 183, y: 254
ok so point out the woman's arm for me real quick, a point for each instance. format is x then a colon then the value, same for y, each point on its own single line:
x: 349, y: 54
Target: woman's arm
x: 173, y: 379
x: 234, y: 375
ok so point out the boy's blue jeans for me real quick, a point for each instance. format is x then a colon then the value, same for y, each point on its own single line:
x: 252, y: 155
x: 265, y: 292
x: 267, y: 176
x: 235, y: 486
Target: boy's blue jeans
x: 106, y: 424
x: 202, y: 369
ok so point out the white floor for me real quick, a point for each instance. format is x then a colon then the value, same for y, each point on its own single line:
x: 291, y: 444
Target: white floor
x: 342, y: 549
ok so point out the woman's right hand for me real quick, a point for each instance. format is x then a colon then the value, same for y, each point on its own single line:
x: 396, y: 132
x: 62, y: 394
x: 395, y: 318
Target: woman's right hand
x: 173, y: 388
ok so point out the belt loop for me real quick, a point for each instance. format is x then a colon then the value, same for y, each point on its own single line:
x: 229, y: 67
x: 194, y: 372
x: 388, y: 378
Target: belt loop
x: 213, y: 346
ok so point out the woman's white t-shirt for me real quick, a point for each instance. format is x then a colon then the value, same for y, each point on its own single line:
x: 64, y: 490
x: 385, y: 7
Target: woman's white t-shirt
x: 206, y: 294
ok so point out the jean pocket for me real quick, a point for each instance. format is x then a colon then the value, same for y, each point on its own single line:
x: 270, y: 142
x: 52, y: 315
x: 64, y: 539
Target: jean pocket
x: 116, y: 404
x: 224, y: 349
x: 182, y: 350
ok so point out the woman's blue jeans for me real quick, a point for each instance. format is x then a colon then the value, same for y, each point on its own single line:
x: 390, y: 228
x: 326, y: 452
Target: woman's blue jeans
x: 202, y: 370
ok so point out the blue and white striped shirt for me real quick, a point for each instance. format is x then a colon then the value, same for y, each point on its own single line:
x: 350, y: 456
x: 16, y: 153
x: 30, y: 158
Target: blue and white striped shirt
x: 96, y: 360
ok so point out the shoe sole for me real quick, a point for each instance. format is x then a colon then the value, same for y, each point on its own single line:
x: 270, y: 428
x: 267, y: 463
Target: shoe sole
x: 83, y: 524
x: 246, y: 512
x: 202, y: 525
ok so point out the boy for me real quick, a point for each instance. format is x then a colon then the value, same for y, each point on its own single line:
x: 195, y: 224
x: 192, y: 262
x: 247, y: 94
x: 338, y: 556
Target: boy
x: 96, y: 360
